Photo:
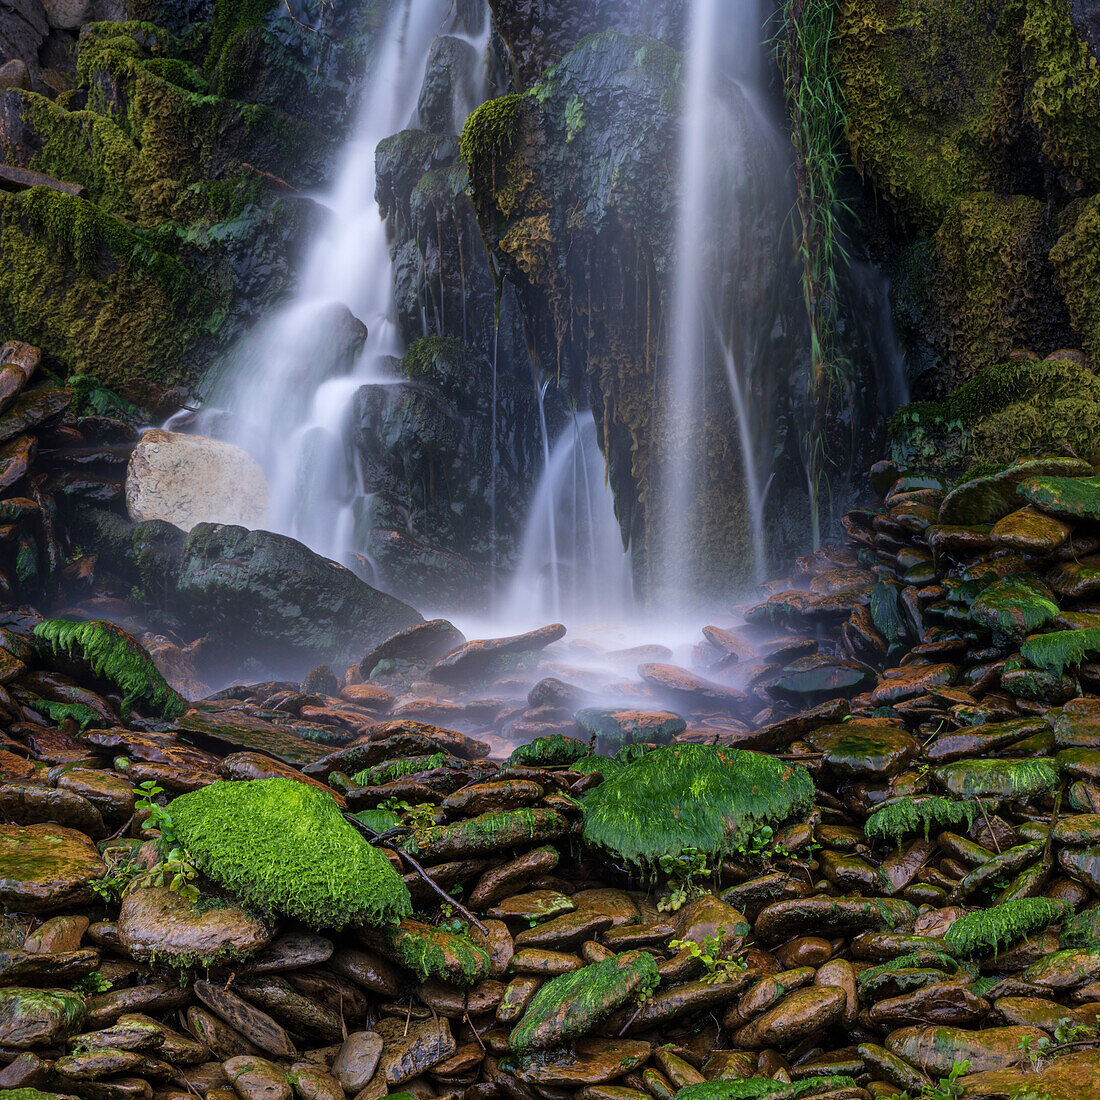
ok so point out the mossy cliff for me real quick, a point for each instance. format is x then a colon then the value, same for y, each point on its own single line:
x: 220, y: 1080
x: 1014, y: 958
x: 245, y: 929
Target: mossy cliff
x: 574, y: 183
x: 975, y: 124
x: 191, y: 142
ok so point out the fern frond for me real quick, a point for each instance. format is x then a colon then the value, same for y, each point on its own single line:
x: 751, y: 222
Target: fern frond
x: 1003, y: 925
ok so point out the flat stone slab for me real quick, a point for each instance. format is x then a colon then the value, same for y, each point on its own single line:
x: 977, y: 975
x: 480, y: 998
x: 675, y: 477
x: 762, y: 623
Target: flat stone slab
x: 46, y: 867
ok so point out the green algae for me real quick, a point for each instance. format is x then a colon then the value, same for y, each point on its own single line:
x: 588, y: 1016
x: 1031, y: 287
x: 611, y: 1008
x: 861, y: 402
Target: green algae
x: 568, y: 1005
x: 114, y: 655
x: 908, y: 815
x: 549, y: 751
x: 434, y: 953
x: 691, y: 798
x: 398, y: 769
x: 284, y: 848
x: 756, y: 1088
x: 1017, y: 780
x: 1061, y: 649
x: 1002, y: 925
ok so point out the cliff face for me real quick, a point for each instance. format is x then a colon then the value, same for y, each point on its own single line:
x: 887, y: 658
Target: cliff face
x: 188, y: 133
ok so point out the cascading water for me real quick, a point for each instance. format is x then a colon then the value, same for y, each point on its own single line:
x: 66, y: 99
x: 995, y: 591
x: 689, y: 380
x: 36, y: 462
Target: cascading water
x: 732, y: 168
x: 572, y: 561
x: 289, y: 390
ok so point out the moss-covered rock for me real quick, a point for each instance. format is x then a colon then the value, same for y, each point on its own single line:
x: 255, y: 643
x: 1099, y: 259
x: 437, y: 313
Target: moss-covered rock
x: 113, y: 655
x: 284, y: 849
x: 691, y: 798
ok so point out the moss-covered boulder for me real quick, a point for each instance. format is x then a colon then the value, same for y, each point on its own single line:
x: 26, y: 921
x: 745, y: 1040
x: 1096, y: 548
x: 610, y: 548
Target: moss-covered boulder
x: 1013, y: 607
x: 691, y: 799
x: 570, y: 1005
x: 113, y: 655
x: 284, y: 849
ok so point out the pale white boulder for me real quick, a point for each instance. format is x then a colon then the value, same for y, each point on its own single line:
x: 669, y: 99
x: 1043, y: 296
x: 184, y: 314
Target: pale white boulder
x: 188, y: 479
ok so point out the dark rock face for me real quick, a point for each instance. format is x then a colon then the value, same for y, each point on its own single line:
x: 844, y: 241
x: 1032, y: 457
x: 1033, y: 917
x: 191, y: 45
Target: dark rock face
x: 23, y: 29
x: 538, y: 33
x: 267, y: 595
x: 1086, y: 18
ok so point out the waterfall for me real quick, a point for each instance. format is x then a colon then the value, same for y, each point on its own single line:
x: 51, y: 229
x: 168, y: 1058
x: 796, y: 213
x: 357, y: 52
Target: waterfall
x: 732, y: 167
x: 572, y: 561
x: 288, y: 390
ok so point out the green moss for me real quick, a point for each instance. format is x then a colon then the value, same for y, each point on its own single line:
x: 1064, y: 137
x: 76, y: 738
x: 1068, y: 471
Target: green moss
x: 906, y: 962
x: 230, y: 20
x: 433, y: 953
x: 1064, y: 96
x: 57, y: 713
x: 568, y: 1005
x: 1005, y: 411
x: 929, y: 92
x: 548, y: 751
x: 486, y: 833
x: 1017, y: 780
x: 1002, y: 925
x: 756, y: 1088
x: 1076, y: 262
x: 284, y: 848
x: 1012, y: 607
x: 112, y: 654
x: 398, y: 769
x: 1061, y: 649
x: 905, y: 816
x: 488, y: 143
x: 691, y: 798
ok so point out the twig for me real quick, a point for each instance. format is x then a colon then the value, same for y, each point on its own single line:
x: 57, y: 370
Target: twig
x: 422, y: 874
x: 992, y: 834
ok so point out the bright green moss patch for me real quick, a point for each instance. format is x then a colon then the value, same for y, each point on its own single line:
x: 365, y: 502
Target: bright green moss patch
x: 549, y: 751
x: 57, y: 713
x: 284, y: 848
x: 1071, y: 497
x: 570, y: 1004
x: 1002, y: 925
x: 114, y: 655
x: 905, y: 816
x: 398, y: 769
x: 1061, y: 649
x: 756, y: 1088
x: 691, y: 798
x: 1012, y: 607
x: 1017, y: 780
x: 434, y: 953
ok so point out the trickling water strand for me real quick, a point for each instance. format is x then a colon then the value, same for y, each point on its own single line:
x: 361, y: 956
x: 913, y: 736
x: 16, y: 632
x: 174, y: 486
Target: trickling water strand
x: 291, y: 394
x: 551, y: 513
x: 572, y: 519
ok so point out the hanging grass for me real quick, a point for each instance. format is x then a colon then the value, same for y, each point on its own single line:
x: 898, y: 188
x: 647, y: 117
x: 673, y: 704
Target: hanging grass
x: 906, y: 816
x: 1014, y: 780
x: 1061, y: 649
x: 113, y: 655
x: 1002, y: 925
x: 916, y: 960
x: 691, y: 798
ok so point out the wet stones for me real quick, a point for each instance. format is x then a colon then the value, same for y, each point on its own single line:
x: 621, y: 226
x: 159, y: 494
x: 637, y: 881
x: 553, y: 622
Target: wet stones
x: 868, y: 751
x: 798, y: 1016
x: 357, y: 1060
x: 38, y: 1017
x: 157, y: 923
x: 46, y: 867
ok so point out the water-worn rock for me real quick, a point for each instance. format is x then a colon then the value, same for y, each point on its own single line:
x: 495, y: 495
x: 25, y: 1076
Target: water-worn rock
x: 46, y: 867
x: 271, y: 597
x: 413, y: 1048
x: 257, y: 1079
x: 254, y: 1025
x: 155, y: 922
x: 38, y: 1017
x: 186, y: 479
x: 936, y: 1050
x: 798, y: 1016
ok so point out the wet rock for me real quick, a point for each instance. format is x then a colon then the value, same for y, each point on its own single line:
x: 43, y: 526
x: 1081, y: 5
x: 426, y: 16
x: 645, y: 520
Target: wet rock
x: 1071, y: 1076
x: 186, y: 479
x: 431, y: 952
x: 936, y: 1050
x: 865, y: 751
x: 594, y: 1062
x: 991, y: 497
x: 411, y: 1049
x: 38, y: 1017
x: 313, y: 1082
x: 477, y: 660
x: 486, y: 833
x: 942, y: 1003
x: 493, y: 797
x: 1030, y: 530
x: 257, y: 1079
x: 269, y: 596
x: 426, y: 641
x: 357, y: 1059
x: 614, y: 728
x: 158, y: 923
x: 782, y: 920
x: 798, y: 1016
x: 254, y: 1025
x: 29, y: 804
x: 292, y: 951
x: 95, y: 1065
x: 57, y: 934
x: 500, y: 882
x: 216, y: 1035
x: 46, y: 867
x: 678, y: 682
x: 42, y: 968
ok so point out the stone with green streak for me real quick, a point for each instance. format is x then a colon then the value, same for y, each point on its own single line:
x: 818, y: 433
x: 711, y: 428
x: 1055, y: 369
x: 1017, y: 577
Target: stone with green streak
x: 570, y: 1005
x: 991, y: 497
x: 38, y: 1017
x: 46, y: 867
x: 1016, y: 779
x: 868, y: 751
x: 1068, y: 497
x: 432, y: 952
x: 1030, y: 530
x: 937, y: 1050
x: 1013, y: 607
x: 486, y: 833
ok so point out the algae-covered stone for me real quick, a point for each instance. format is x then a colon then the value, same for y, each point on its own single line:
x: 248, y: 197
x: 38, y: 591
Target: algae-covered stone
x: 158, y: 924
x: 1030, y: 530
x: 38, y: 1017
x: 937, y: 1050
x: 865, y: 751
x: 46, y: 867
x: 571, y: 1004
x: 1070, y: 1076
x: 1071, y: 497
x: 491, y: 832
x: 614, y: 728
x: 1018, y: 780
x: 1012, y: 607
x: 114, y: 655
x: 434, y: 953
x: 284, y: 848
x: 991, y: 497
x: 691, y: 798
x: 555, y: 749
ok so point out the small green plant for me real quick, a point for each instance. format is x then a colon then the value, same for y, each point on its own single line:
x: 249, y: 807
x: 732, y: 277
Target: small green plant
x: 948, y: 1087
x: 708, y: 952
x: 91, y: 983
x: 175, y: 868
x: 1067, y: 1035
x: 574, y: 118
x: 681, y: 870
x: 420, y: 816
